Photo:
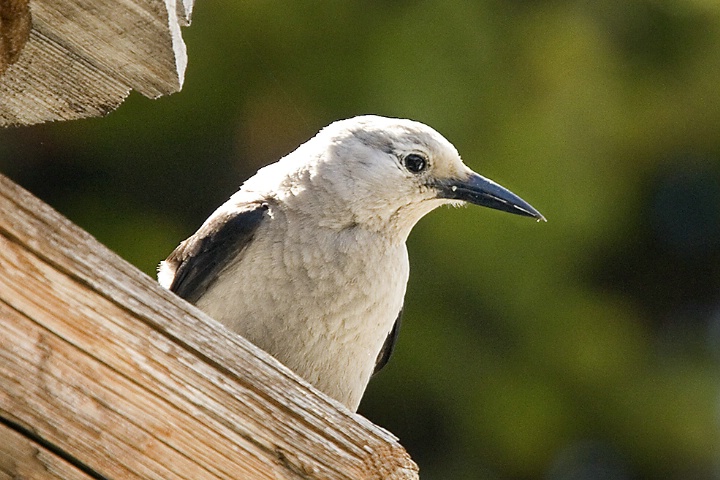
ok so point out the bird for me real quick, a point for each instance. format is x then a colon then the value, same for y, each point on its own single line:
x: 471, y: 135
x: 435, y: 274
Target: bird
x: 308, y: 259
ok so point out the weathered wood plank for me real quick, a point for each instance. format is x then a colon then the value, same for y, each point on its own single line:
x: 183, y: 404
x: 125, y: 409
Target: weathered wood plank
x: 22, y: 458
x: 64, y: 91
x: 83, y: 57
x: 99, y: 360
x: 70, y: 393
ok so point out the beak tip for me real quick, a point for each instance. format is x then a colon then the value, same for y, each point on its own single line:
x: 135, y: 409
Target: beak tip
x: 539, y: 217
x: 484, y: 192
x: 531, y: 212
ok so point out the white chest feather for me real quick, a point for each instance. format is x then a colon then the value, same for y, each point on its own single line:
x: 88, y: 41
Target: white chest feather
x: 321, y: 301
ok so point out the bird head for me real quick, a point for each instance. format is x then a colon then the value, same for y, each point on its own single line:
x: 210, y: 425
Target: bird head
x: 385, y: 174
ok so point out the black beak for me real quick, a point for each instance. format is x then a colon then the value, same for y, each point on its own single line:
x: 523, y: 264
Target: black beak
x: 479, y: 190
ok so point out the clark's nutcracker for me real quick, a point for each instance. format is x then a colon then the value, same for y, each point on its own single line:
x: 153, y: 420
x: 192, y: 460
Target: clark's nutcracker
x: 308, y: 259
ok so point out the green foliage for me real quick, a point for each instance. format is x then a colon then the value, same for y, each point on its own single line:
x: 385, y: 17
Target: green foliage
x: 587, y: 347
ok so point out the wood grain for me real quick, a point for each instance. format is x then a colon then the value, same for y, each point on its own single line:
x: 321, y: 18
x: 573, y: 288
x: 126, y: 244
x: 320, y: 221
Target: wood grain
x: 21, y: 457
x: 83, y: 57
x: 132, y: 382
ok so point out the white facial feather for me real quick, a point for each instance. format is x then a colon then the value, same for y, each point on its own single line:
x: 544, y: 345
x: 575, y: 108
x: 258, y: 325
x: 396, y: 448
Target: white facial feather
x: 351, y: 173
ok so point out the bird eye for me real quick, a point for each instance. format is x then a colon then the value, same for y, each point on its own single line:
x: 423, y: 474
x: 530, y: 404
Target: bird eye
x: 415, y: 163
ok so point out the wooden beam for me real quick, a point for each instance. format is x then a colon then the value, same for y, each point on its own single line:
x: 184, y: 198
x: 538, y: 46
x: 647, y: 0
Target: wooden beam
x: 112, y: 376
x: 83, y: 57
x: 21, y: 457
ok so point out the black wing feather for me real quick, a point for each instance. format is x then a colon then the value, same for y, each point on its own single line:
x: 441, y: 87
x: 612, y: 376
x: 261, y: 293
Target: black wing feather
x: 389, y: 345
x: 199, y: 259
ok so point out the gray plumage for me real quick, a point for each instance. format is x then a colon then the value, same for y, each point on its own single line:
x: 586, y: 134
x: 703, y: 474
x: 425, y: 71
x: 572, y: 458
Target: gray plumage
x: 308, y: 260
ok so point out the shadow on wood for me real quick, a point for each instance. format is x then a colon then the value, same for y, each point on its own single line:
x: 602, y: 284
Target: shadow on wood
x: 104, y: 374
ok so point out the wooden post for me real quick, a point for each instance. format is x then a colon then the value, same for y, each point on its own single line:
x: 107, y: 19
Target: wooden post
x: 106, y: 375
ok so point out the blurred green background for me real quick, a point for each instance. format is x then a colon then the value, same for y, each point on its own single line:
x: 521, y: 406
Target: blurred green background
x: 584, y: 348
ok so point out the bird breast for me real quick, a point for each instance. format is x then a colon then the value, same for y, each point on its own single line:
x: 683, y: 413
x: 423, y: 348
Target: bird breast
x: 320, y: 300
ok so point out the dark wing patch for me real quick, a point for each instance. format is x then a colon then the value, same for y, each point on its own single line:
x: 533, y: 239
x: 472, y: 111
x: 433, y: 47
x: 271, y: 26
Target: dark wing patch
x: 389, y: 345
x: 198, y: 260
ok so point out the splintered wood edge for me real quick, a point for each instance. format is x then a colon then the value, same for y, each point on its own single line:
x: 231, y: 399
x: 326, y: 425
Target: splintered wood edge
x: 184, y: 11
x: 196, y: 395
